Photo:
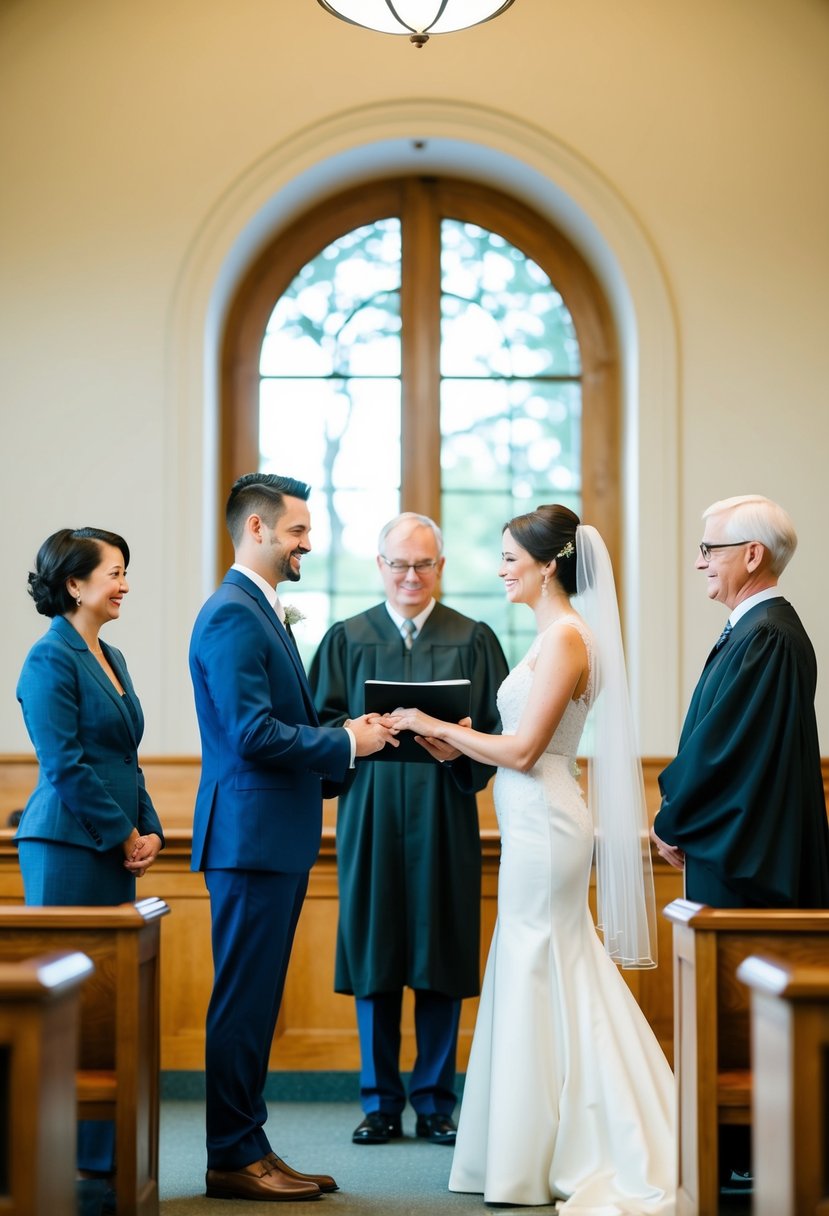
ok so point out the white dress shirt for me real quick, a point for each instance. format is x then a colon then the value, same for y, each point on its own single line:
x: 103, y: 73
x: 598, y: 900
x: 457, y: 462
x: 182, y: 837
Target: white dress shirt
x: 770, y: 593
x: 419, y: 621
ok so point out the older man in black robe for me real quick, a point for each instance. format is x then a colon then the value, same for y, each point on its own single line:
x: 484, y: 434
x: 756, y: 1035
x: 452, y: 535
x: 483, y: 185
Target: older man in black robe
x: 408, y: 841
x: 743, y: 807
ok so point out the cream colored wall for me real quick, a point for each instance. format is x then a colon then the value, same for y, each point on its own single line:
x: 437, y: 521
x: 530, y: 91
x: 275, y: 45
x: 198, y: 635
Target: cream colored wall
x: 133, y: 135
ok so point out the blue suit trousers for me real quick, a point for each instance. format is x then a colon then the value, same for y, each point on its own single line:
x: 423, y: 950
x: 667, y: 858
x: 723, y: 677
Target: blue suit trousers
x: 254, y: 915
x: 432, y: 1083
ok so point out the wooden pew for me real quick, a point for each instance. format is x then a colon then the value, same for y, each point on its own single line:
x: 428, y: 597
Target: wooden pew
x: 118, y: 1057
x: 790, y: 1104
x: 39, y: 1008
x: 711, y: 1025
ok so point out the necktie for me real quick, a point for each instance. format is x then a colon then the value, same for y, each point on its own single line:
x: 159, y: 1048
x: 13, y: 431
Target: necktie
x: 409, y: 632
x: 723, y: 638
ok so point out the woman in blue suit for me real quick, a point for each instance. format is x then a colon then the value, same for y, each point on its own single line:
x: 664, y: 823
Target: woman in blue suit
x: 89, y: 828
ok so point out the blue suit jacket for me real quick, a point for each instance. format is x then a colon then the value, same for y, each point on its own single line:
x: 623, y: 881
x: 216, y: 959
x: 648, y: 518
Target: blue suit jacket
x: 264, y: 754
x: 90, y: 788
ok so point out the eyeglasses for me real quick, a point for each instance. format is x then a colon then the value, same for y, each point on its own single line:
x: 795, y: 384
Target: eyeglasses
x: 397, y: 567
x: 707, y: 550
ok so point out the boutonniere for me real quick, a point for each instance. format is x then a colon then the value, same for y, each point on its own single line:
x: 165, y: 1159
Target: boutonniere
x: 293, y: 615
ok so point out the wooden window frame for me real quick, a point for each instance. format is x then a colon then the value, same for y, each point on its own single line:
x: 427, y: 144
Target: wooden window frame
x: 420, y: 203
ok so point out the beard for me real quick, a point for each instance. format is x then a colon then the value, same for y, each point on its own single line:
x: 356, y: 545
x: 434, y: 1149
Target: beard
x: 286, y: 570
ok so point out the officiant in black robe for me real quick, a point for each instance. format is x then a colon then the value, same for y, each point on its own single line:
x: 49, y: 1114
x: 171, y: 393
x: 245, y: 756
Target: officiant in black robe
x: 743, y: 805
x: 408, y: 840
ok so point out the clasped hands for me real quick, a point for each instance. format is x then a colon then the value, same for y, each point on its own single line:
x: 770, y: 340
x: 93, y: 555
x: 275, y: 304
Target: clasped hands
x: 140, y: 852
x: 373, y: 732
x: 669, y: 852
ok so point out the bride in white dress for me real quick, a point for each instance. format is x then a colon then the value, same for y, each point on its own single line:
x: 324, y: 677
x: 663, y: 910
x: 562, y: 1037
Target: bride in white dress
x: 568, y: 1097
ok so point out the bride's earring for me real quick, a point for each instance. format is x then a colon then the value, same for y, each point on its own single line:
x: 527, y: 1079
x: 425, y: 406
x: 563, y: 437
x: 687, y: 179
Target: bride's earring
x: 544, y: 583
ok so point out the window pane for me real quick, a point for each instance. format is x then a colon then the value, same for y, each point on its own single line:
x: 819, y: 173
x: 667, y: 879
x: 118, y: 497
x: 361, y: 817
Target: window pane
x: 329, y: 414
x: 510, y: 414
x: 512, y: 436
x: 500, y: 314
x: 343, y: 433
x: 341, y: 314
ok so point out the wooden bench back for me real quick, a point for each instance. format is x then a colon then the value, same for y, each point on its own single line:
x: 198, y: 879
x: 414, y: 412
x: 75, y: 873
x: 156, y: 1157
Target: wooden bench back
x: 790, y: 1105
x: 712, y: 1037
x: 119, y: 1039
x: 39, y: 1006
x: 800, y: 941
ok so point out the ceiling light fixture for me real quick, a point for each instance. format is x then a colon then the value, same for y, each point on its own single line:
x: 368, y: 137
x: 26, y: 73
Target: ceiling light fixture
x: 417, y: 18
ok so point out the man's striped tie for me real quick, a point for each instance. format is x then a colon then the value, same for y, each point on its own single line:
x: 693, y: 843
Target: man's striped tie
x: 723, y: 638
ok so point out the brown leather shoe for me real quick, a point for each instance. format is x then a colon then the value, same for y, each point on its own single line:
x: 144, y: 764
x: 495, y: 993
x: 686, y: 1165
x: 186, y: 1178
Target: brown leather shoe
x: 324, y: 1181
x: 260, y: 1181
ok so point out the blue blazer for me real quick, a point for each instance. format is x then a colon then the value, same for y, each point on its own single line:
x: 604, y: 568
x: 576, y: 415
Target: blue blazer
x: 90, y: 788
x: 264, y: 755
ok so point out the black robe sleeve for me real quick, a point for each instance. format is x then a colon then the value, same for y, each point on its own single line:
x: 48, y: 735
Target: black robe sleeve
x: 327, y: 678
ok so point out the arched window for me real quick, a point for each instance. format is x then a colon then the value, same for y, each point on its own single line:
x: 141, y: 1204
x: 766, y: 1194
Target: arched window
x: 429, y: 345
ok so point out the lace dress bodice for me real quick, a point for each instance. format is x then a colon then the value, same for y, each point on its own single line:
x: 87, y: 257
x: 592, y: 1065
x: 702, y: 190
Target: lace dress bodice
x: 513, y: 694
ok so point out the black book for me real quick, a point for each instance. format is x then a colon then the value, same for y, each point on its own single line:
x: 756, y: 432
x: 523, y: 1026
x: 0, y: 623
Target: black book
x: 448, y: 700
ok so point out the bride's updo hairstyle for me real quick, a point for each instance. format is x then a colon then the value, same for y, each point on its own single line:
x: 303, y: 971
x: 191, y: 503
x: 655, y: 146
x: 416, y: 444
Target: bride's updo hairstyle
x: 549, y: 534
x: 69, y: 553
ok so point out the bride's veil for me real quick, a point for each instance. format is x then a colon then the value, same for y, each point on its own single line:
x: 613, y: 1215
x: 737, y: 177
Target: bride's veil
x: 616, y: 796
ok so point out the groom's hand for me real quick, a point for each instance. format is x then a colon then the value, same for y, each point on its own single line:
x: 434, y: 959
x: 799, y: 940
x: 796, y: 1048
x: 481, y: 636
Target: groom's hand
x: 370, y: 734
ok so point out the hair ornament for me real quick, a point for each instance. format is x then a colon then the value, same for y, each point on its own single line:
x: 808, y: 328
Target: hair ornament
x: 568, y: 550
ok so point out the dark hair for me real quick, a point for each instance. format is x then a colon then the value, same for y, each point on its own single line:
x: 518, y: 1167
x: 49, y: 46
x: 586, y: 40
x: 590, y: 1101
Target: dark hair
x: 69, y: 553
x: 260, y: 494
x: 549, y: 534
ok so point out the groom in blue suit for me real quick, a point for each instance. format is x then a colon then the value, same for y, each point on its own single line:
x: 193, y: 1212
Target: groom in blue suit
x: 266, y: 762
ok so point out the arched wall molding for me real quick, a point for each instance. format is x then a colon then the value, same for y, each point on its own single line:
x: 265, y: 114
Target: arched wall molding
x: 431, y: 136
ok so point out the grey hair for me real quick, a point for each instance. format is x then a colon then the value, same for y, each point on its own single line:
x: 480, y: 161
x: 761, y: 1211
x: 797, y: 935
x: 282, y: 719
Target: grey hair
x: 753, y: 517
x: 417, y: 521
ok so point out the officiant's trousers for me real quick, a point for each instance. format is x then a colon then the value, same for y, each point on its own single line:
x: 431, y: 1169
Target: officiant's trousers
x: 432, y: 1083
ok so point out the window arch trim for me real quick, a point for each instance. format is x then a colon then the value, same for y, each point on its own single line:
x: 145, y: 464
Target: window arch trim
x: 421, y: 202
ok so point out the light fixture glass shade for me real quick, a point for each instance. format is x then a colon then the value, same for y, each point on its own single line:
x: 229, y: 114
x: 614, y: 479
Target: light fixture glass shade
x: 415, y: 17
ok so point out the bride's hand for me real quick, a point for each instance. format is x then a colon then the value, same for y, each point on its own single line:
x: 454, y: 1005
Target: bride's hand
x: 414, y: 720
x: 440, y: 751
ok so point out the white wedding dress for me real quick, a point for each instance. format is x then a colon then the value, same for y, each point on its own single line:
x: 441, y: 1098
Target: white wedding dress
x: 568, y: 1096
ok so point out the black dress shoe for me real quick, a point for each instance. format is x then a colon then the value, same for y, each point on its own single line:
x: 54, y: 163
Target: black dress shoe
x: 438, y: 1128
x: 377, y: 1128
x: 736, y: 1182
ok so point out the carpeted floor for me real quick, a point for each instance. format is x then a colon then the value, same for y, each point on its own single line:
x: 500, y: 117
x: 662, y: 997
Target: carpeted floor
x: 406, y: 1177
